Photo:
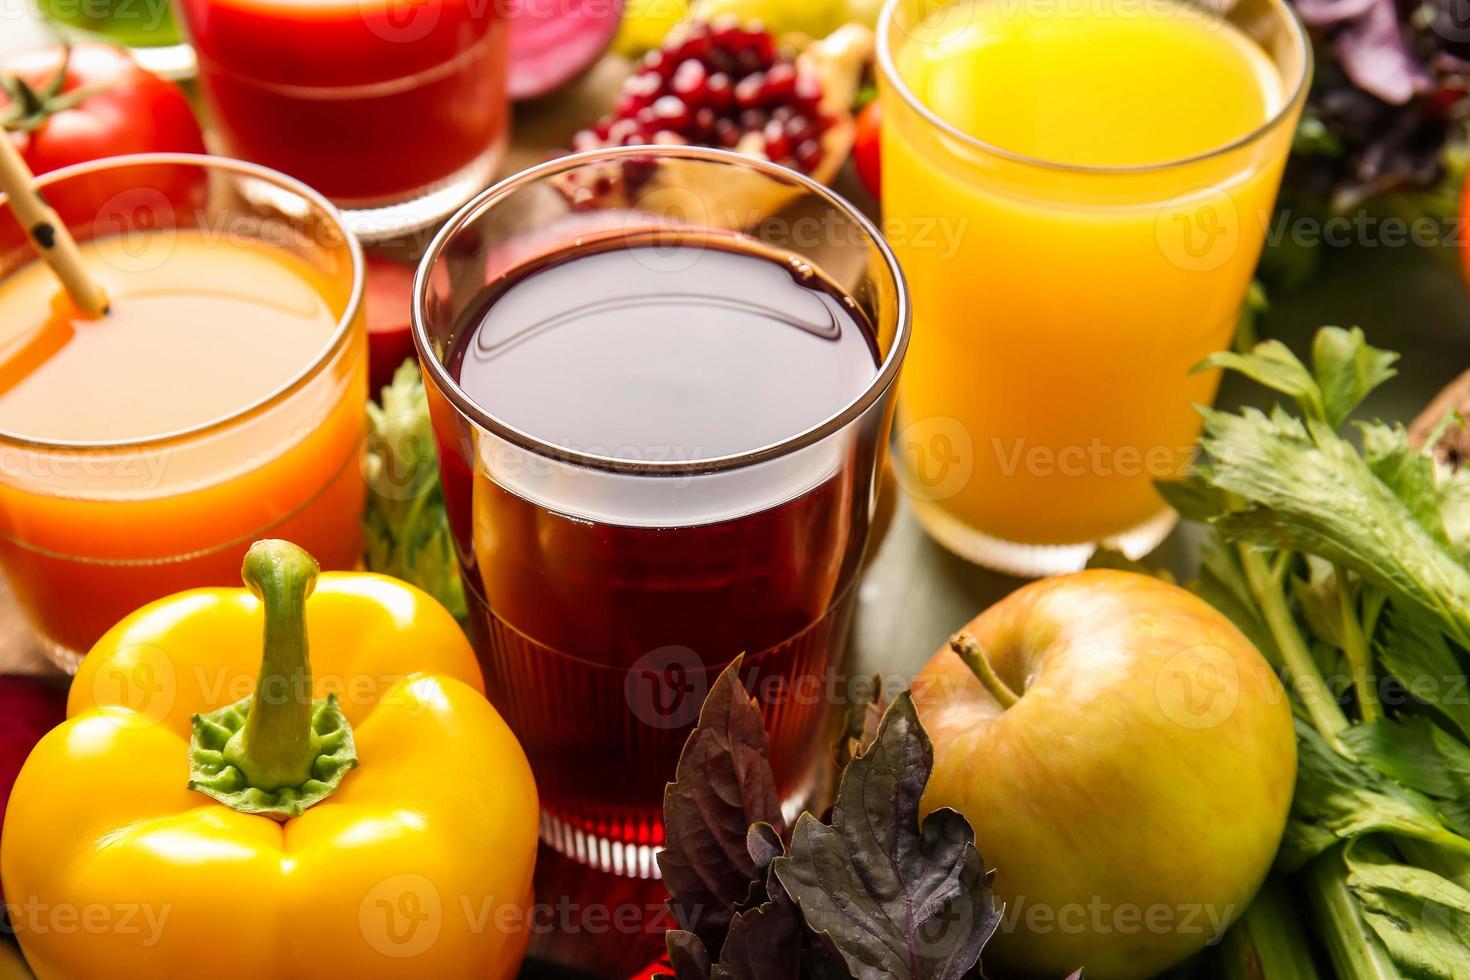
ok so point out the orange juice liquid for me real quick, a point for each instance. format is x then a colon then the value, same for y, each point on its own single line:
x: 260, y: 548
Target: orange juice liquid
x: 1058, y: 309
x: 201, y: 329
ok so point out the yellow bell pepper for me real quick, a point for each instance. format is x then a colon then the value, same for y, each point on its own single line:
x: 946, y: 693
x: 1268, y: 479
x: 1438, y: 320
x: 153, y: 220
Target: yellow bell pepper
x: 361, y: 814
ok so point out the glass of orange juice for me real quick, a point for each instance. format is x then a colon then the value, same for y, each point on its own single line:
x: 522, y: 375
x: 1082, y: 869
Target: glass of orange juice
x: 1078, y: 192
x: 219, y: 401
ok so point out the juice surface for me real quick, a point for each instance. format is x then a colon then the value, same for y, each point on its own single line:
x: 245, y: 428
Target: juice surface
x: 696, y: 351
x: 193, y: 340
x: 1057, y: 317
x: 1092, y: 83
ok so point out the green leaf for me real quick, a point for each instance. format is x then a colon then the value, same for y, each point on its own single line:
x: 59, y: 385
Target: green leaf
x: 1193, y: 498
x: 1347, y: 369
x: 1409, y: 473
x: 1274, y: 365
x: 897, y: 898
x: 1314, y: 494
x: 1338, y: 799
x: 1414, y: 651
x: 1422, y: 918
x: 406, y: 527
x: 1419, y: 754
x: 722, y: 785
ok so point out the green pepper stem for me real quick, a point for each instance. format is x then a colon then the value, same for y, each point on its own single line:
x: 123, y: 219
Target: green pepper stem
x: 973, y: 654
x: 274, y: 749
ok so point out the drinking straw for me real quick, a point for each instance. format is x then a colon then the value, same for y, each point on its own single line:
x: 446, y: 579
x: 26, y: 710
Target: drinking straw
x: 47, y: 232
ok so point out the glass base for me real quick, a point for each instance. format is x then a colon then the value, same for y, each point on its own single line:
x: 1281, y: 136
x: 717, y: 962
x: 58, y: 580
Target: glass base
x: 62, y: 656
x: 175, y: 62
x: 379, y: 223
x: 1037, y: 560
x: 630, y: 860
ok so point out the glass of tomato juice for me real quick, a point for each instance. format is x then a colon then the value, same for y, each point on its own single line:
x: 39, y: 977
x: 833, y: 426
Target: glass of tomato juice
x: 219, y: 401
x: 396, y: 110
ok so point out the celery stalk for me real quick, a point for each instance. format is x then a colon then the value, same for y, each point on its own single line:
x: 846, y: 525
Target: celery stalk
x: 1356, y: 951
x: 1268, y: 943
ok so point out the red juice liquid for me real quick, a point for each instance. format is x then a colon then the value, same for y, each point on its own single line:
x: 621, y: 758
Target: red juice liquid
x: 368, y: 101
x: 609, y: 602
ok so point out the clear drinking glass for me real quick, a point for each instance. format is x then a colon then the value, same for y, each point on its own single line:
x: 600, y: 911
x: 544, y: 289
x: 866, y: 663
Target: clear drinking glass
x: 396, y: 110
x: 91, y: 530
x: 610, y: 586
x: 1060, y: 307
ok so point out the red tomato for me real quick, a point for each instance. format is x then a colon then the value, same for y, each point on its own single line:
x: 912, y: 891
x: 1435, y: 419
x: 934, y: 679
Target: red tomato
x: 63, y: 108
x: 866, y: 149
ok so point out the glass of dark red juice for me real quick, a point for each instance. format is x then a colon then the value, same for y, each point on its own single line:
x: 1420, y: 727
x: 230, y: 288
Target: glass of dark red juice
x: 662, y: 381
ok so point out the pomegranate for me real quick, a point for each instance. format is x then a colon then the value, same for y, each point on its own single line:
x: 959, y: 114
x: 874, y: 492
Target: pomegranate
x: 732, y: 85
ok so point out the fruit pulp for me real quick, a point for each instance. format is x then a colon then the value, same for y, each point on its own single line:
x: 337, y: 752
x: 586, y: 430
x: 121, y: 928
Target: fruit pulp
x: 607, y: 603
x: 210, y: 329
x: 368, y: 102
x: 1058, y: 311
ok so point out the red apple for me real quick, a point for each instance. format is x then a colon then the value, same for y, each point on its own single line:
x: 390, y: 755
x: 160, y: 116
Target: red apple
x: 1127, y: 765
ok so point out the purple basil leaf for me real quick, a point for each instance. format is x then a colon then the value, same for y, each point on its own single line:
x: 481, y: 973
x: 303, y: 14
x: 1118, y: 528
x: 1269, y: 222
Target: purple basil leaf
x: 723, y: 784
x: 1375, y: 56
x: 1320, y: 13
x: 764, y: 942
x: 687, y: 955
x: 764, y: 845
x: 896, y: 897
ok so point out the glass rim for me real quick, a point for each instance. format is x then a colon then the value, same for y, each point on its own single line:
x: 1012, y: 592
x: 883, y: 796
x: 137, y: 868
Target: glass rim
x: 890, y: 73
x: 883, y: 378
x: 341, y: 333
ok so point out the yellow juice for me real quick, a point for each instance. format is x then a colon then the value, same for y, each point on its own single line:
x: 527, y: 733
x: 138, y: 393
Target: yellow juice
x: 1077, y: 191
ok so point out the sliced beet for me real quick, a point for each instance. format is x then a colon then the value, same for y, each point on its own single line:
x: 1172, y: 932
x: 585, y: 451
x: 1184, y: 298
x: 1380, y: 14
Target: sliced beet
x: 388, y: 302
x: 29, y: 708
x: 554, y: 41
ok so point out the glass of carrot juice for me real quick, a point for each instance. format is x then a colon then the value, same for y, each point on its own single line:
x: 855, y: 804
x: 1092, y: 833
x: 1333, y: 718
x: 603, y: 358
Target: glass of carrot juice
x: 218, y: 402
x: 1078, y: 191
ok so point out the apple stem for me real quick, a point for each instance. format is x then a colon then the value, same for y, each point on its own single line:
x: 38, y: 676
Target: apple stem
x: 973, y: 654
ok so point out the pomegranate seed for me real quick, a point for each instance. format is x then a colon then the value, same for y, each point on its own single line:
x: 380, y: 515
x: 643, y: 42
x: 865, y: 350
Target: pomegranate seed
x: 671, y: 112
x: 778, y: 147
x: 780, y: 83
x: 798, y: 128
x: 760, y: 41
x: 704, y: 123
x: 727, y: 132
x: 753, y: 120
x: 691, y: 82
x: 618, y: 134
x: 808, y: 155
x: 719, y: 92
x: 807, y: 91
x: 749, y: 89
